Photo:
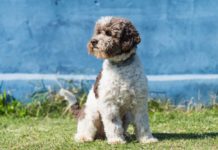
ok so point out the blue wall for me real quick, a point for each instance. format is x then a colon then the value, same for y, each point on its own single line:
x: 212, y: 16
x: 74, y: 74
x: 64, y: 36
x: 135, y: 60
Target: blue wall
x: 50, y: 36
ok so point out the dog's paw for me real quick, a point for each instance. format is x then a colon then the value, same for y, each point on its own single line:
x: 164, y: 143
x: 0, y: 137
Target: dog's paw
x: 116, y: 141
x: 82, y: 138
x: 146, y: 140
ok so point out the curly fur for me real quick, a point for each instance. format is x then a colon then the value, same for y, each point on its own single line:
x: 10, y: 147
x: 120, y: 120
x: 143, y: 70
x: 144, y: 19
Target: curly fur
x: 112, y: 37
x: 119, y: 96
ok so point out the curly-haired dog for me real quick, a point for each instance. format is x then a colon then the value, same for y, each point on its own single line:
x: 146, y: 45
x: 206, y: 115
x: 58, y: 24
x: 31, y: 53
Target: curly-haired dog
x: 119, y: 95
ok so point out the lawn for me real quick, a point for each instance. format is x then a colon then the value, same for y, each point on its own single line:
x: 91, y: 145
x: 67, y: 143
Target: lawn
x: 174, y: 129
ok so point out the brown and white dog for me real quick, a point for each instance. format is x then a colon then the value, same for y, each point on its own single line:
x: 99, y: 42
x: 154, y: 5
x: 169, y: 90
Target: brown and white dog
x: 119, y: 95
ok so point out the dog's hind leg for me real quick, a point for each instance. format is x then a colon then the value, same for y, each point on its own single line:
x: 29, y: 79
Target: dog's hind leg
x: 86, y: 128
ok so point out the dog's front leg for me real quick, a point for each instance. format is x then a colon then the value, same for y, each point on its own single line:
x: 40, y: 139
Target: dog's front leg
x: 112, y: 124
x: 143, y: 133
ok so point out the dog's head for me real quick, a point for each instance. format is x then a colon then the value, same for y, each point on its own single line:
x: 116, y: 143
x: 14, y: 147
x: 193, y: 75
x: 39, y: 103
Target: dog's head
x: 112, y: 37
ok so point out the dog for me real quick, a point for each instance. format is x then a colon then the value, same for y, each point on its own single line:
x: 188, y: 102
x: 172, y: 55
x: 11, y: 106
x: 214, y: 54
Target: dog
x: 119, y: 96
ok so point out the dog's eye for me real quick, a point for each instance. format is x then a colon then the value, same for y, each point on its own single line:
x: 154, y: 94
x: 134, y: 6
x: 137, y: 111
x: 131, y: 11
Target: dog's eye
x: 108, y: 33
x: 98, y: 32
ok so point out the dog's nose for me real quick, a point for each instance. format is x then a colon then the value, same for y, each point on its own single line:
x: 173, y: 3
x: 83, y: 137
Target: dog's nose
x: 94, y: 42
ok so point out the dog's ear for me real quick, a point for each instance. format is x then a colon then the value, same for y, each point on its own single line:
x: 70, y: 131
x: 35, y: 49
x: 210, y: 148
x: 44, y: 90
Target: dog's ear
x: 130, y: 36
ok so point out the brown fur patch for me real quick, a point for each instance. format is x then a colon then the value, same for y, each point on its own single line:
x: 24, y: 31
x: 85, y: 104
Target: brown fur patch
x: 96, y: 85
x: 100, y: 134
x: 130, y: 37
x: 77, y: 111
x: 123, y: 37
x: 82, y: 113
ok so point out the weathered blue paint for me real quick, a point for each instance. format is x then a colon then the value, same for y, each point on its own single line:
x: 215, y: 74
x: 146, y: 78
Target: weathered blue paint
x: 50, y: 36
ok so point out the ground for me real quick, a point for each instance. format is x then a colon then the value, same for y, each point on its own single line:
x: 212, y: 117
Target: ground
x: 174, y: 129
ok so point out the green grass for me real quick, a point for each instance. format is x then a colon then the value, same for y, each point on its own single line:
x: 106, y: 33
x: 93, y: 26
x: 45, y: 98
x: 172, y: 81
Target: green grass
x: 175, y: 129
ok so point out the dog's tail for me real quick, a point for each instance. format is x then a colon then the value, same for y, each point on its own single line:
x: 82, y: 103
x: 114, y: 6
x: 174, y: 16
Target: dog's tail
x: 73, y: 105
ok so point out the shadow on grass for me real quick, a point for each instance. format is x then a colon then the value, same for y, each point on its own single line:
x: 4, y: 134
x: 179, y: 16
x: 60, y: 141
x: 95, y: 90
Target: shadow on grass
x: 178, y: 136
x: 185, y: 136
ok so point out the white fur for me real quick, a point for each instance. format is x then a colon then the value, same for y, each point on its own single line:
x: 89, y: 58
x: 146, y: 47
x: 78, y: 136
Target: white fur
x: 104, y: 20
x: 121, y: 90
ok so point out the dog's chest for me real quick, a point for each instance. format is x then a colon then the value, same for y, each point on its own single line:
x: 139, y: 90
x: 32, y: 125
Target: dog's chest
x: 120, y: 84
